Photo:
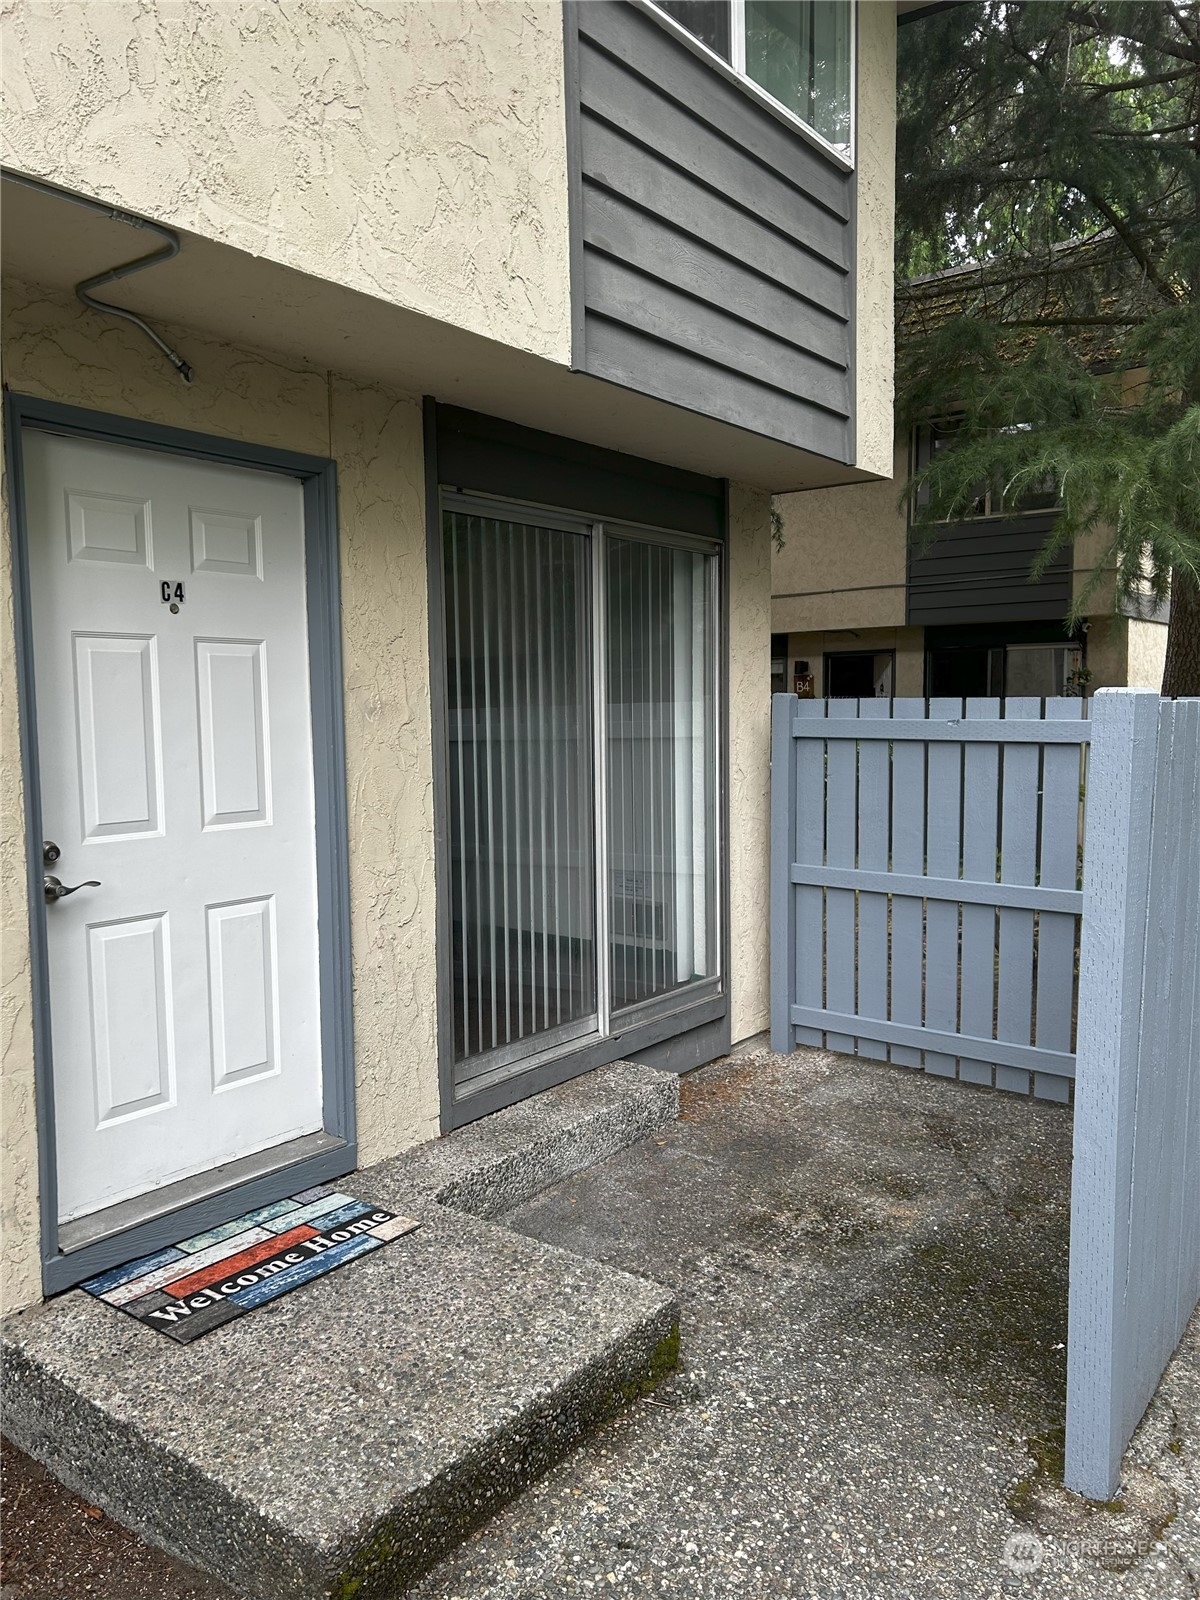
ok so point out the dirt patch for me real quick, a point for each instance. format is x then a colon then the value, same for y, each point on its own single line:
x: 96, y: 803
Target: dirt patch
x: 704, y: 1094
x: 1115, y: 1534
x: 57, y: 1547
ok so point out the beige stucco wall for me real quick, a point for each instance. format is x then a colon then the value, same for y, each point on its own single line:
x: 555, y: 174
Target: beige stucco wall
x: 1146, y: 654
x: 875, y: 165
x: 749, y: 759
x: 413, y: 151
x: 56, y: 349
x: 1107, y: 652
x: 20, y: 1270
x: 844, y: 558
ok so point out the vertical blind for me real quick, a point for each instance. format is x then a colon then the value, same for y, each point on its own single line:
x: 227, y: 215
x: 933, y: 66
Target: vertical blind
x: 519, y: 698
x: 660, y: 766
x: 527, y: 797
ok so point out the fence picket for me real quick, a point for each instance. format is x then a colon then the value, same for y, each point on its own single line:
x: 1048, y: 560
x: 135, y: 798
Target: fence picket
x: 810, y: 847
x: 941, y: 917
x: 1135, y: 1190
x: 841, y: 806
x: 908, y: 857
x: 1155, y: 1211
x: 1184, y: 1043
x: 1057, y: 933
x: 873, y: 828
x: 786, y: 754
x: 981, y: 782
x: 1018, y: 864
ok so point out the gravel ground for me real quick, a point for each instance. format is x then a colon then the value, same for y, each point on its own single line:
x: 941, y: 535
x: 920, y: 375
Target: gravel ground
x: 872, y: 1266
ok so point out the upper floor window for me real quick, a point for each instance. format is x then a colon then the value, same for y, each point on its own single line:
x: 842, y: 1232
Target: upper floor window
x: 991, y: 499
x: 797, y: 51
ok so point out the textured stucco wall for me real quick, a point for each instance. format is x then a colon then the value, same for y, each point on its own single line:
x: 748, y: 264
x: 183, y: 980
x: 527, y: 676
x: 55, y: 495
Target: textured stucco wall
x: 844, y: 558
x: 20, y: 1270
x: 413, y: 151
x: 1146, y: 654
x: 749, y: 759
x: 56, y: 349
x: 875, y: 166
x: 1107, y: 652
x: 1123, y: 653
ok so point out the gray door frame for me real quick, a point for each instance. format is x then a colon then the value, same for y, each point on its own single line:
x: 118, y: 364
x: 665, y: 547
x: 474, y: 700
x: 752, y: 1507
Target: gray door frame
x: 225, y: 1193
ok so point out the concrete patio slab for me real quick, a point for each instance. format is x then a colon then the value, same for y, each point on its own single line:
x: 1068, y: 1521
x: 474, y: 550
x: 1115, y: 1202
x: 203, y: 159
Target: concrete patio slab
x: 339, y: 1440
x: 872, y: 1269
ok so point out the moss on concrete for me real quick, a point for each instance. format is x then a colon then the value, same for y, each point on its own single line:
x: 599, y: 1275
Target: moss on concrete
x: 664, y: 1358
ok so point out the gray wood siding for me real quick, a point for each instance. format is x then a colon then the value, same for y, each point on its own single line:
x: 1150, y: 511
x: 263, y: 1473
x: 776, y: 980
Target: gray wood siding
x: 712, y: 246
x: 979, y: 572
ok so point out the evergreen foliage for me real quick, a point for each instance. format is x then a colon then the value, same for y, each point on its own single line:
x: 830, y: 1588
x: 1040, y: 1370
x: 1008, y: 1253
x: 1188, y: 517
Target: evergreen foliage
x: 1052, y: 150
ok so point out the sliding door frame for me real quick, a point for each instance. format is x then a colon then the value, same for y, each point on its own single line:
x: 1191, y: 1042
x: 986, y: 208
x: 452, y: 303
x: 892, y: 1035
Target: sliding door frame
x: 701, y: 1009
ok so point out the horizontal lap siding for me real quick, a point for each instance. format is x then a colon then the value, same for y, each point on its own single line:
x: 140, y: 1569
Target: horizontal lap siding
x: 980, y: 572
x: 714, y: 249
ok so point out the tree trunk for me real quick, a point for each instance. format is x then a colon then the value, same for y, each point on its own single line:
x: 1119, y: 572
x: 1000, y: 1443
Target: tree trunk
x: 1181, y: 676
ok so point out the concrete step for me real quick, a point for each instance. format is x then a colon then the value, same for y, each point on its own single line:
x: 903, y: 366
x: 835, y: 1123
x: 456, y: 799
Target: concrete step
x: 336, y: 1442
x: 501, y: 1161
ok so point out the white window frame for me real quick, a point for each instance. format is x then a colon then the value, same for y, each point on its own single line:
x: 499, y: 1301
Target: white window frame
x: 734, y: 71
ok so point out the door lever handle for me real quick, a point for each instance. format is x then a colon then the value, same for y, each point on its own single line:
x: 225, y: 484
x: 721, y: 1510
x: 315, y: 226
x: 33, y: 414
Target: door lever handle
x: 57, y: 890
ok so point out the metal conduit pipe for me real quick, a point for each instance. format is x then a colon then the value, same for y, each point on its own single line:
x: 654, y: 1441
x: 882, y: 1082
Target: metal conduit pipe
x: 84, y: 289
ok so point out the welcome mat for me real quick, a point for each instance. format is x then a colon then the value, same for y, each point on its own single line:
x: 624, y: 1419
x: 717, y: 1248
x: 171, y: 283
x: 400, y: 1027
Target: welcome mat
x: 210, y: 1279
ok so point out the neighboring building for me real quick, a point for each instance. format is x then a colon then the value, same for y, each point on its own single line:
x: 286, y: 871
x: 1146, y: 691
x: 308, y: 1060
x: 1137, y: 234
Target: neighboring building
x: 392, y: 697
x: 867, y: 611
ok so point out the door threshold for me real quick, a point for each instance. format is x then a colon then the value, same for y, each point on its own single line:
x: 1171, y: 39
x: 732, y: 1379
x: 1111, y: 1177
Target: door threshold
x: 171, y: 1197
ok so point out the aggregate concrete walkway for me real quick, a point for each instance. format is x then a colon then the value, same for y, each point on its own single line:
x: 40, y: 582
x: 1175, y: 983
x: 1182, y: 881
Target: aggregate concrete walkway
x: 872, y: 1267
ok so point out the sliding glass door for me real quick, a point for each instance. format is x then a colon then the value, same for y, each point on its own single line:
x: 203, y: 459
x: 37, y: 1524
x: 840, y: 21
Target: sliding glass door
x: 661, y: 773
x: 580, y: 714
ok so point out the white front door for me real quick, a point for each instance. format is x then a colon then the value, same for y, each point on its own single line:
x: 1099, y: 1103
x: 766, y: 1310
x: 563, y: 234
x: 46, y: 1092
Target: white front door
x: 174, y: 733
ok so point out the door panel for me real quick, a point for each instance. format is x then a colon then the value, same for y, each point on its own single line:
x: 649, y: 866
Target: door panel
x: 519, y: 697
x: 118, y: 729
x: 661, y: 772
x: 233, y: 746
x: 175, y: 749
x: 129, y: 990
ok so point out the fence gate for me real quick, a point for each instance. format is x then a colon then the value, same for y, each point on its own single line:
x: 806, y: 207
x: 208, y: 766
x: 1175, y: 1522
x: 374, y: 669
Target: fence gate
x: 926, y: 861
x: 1135, y: 1188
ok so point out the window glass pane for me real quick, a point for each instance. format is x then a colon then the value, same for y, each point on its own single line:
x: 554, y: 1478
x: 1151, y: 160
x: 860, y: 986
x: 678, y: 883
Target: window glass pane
x: 519, y: 693
x: 661, y: 799
x: 799, y: 52
x: 1035, y: 669
x: 707, y: 20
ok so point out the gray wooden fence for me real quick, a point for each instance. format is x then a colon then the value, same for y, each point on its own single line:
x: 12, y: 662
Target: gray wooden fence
x: 1135, y: 1201
x: 925, y: 884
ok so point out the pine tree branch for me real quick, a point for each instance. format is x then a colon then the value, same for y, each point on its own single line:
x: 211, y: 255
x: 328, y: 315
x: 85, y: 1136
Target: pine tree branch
x: 1128, y: 84
x: 1065, y: 322
x: 1153, y: 133
x: 1132, y: 244
x: 1166, y: 46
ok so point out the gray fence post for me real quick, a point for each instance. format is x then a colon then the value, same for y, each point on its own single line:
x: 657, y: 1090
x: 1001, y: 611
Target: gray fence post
x: 783, y: 845
x: 1117, y: 843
